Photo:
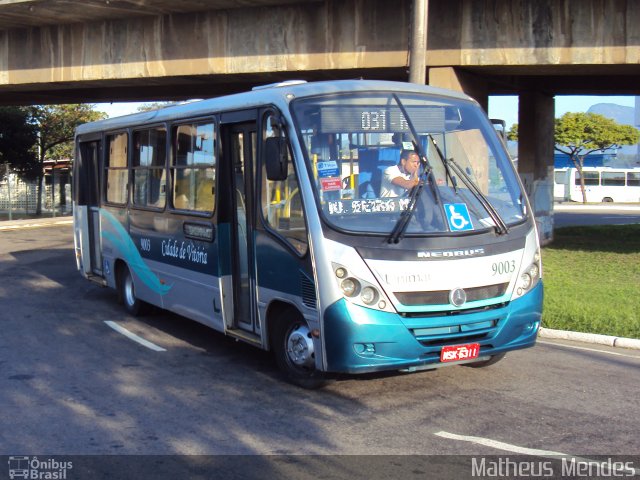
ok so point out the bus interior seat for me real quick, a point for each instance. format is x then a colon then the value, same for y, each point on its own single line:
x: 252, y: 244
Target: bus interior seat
x: 181, y: 202
x: 204, y: 195
x: 372, y: 164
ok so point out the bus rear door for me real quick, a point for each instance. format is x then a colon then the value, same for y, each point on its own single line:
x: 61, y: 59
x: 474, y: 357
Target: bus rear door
x: 87, y: 194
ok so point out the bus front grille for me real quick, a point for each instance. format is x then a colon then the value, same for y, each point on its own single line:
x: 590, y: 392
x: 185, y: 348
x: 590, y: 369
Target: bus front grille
x: 462, y: 333
x: 441, y: 297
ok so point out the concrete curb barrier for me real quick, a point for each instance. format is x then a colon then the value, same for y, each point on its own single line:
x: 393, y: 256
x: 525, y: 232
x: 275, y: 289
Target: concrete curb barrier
x: 594, y: 338
x: 579, y: 207
x: 35, y: 222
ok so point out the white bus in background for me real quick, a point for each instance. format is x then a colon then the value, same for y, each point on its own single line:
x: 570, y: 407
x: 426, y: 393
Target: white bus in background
x: 602, y: 184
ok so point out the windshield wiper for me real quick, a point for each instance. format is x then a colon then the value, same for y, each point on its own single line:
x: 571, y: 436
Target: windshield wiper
x: 447, y: 170
x: 426, y: 175
x: 500, y: 225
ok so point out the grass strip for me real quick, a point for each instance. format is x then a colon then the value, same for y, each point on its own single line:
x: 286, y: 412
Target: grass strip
x: 592, y: 280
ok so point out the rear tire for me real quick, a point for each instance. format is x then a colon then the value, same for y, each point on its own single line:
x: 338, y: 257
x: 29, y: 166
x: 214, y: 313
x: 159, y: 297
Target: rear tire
x: 293, y: 347
x: 127, y: 294
x: 486, y: 363
x: 607, y: 200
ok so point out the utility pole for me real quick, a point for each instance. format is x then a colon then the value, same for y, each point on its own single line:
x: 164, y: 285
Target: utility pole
x: 418, y: 47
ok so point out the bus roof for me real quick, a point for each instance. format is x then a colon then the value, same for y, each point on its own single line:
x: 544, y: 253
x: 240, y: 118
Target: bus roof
x: 277, y: 94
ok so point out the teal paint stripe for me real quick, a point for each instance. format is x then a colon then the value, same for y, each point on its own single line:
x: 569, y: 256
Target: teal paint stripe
x: 121, y: 240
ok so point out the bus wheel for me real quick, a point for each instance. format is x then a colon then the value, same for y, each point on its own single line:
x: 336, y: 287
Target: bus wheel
x: 607, y: 199
x: 127, y: 293
x: 486, y: 363
x: 294, y: 351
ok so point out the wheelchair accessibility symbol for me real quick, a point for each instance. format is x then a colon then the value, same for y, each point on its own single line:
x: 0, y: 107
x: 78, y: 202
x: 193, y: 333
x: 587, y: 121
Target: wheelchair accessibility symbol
x: 458, y: 217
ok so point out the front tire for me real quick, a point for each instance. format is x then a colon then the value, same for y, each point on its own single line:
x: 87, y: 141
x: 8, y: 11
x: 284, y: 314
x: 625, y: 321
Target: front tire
x: 127, y: 294
x: 293, y: 347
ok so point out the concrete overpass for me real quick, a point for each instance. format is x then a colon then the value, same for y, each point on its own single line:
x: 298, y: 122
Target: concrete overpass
x: 57, y: 51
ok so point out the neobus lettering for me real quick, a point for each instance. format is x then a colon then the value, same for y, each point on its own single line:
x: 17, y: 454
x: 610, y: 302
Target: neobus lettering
x: 452, y: 253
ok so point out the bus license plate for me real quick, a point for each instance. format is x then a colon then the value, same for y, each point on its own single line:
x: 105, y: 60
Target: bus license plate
x: 453, y: 353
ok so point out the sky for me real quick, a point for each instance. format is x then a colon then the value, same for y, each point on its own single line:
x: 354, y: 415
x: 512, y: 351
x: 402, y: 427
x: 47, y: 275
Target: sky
x: 503, y: 107
x: 117, y: 109
x: 506, y: 107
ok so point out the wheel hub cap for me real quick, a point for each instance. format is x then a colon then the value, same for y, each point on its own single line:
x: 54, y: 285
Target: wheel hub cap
x: 300, y: 347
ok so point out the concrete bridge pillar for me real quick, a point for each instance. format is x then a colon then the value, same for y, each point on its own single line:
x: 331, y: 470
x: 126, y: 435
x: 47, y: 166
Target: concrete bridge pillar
x: 535, y: 156
x: 456, y: 79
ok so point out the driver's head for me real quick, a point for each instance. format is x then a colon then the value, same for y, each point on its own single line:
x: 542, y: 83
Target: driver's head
x: 409, y: 161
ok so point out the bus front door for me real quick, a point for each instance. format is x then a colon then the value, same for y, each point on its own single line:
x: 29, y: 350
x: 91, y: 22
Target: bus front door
x: 239, y: 150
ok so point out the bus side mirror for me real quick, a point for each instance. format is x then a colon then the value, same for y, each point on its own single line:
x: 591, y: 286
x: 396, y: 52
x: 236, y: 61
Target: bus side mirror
x: 276, y: 158
x: 501, y: 128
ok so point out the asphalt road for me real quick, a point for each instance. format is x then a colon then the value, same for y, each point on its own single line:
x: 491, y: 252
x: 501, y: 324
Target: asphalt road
x: 71, y: 385
x: 566, y: 215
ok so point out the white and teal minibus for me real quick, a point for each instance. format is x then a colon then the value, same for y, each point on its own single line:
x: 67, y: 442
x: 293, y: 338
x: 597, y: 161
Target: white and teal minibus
x: 261, y: 215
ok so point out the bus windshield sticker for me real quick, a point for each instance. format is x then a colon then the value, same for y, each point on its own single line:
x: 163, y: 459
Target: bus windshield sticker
x: 328, y: 169
x: 331, y: 184
x: 359, y: 207
x: 458, y: 217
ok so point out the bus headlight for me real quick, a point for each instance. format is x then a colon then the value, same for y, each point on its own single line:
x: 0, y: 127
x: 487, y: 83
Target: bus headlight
x: 350, y: 287
x: 530, y: 276
x: 369, y: 295
x: 359, y: 291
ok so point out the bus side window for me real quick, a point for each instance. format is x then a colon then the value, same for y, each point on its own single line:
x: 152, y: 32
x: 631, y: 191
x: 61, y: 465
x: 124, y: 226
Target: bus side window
x: 149, y: 175
x: 281, y: 200
x: 633, y: 179
x: 193, y: 167
x: 117, y: 172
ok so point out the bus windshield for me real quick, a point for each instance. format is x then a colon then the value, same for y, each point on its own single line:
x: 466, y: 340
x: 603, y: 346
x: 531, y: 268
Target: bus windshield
x: 365, y: 157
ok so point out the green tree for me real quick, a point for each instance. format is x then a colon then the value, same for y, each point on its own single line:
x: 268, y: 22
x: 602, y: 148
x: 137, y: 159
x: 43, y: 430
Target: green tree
x: 147, y: 107
x: 579, y: 134
x: 56, y: 126
x: 512, y: 134
x: 17, y: 138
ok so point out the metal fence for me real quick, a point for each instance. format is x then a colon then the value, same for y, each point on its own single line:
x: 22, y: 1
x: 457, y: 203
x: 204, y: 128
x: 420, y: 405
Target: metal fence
x: 20, y: 198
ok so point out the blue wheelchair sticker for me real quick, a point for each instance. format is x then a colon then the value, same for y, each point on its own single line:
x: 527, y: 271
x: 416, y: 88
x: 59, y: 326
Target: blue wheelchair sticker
x: 458, y: 217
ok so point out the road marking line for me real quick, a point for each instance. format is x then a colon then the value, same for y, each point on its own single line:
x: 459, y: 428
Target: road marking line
x: 588, y: 349
x: 525, y: 451
x: 487, y: 442
x: 134, y: 337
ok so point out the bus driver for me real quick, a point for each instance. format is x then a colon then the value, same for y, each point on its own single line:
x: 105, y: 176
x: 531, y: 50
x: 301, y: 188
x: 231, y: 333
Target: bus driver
x: 401, y: 178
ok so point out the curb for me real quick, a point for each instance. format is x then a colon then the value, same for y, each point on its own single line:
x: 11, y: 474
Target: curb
x: 583, y: 207
x: 594, y: 338
x: 35, y: 222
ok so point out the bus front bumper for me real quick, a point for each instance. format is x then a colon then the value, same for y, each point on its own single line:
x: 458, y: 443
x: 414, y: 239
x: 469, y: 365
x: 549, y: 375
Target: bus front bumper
x: 360, y: 340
